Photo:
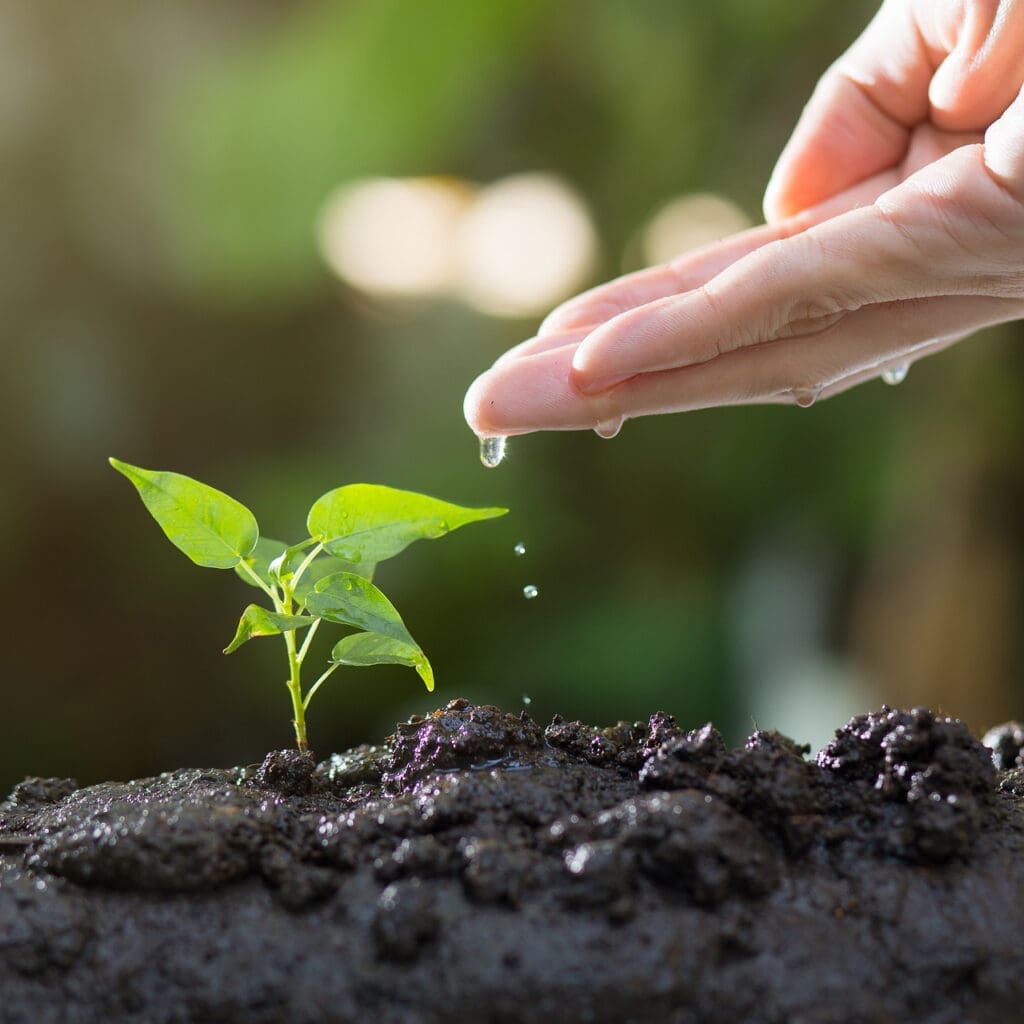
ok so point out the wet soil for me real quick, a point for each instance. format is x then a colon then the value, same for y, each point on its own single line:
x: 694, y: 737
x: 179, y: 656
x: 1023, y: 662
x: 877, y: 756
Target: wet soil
x: 479, y: 867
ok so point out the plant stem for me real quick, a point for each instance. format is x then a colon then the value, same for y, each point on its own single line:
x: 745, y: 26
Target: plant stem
x: 306, y: 562
x: 310, y: 633
x: 295, y: 691
x: 272, y: 594
x: 294, y: 672
x: 316, y: 686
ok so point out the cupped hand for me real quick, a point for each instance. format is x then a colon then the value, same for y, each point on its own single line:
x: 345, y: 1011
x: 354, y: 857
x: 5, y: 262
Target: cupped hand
x: 896, y: 227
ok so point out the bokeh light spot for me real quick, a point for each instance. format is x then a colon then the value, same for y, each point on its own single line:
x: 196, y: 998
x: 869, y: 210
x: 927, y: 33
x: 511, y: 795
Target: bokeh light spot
x: 392, y: 236
x: 525, y: 244
x: 688, y: 222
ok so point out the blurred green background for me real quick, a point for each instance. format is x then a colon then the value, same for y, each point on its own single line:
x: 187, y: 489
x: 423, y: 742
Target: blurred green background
x: 177, y: 289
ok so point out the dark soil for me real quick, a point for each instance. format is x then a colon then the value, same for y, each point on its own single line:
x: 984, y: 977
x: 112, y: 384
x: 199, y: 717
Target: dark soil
x: 477, y: 867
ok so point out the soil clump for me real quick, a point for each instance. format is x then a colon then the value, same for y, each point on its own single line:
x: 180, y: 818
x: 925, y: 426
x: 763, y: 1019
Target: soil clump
x: 478, y: 867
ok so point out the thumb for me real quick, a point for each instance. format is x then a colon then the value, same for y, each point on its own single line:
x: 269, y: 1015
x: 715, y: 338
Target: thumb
x: 1004, y: 148
x: 858, y: 120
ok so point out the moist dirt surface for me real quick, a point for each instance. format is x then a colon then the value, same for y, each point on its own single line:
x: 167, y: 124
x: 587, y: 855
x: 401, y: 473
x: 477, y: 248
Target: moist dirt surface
x: 478, y: 867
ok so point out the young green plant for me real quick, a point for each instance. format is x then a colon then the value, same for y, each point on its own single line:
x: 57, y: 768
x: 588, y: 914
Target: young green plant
x: 326, y: 577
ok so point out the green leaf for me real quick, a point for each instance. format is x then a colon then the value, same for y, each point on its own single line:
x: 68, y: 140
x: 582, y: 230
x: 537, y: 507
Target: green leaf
x: 375, y: 649
x: 354, y: 601
x: 257, y: 621
x: 329, y: 566
x: 211, y: 528
x: 259, y: 560
x: 369, y: 523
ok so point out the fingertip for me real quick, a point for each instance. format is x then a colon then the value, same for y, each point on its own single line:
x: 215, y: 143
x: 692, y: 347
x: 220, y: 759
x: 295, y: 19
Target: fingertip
x: 570, y: 316
x: 774, y: 205
x: 528, y: 394
x: 1004, y: 146
x: 478, y: 404
x: 514, y: 352
x: 508, y: 400
x: 585, y: 369
x: 613, y: 352
x: 552, y: 322
x: 541, y: 343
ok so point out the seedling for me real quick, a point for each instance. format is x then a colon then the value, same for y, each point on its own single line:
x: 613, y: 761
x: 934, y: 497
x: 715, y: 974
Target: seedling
x: 326, y: 577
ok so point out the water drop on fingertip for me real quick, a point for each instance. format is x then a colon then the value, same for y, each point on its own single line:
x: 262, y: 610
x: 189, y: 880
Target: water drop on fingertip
x: 530, y: 591
x: 609, y: 429
x: 896, y: 374
x: 520, y: 549
x: 805, y: 397
x: 492, y: 451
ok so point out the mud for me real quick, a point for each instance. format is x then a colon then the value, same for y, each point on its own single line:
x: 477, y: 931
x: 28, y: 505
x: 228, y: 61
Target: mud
x: 478, y: 867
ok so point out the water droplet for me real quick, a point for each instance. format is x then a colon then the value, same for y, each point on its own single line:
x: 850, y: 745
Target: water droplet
x: 609, y: 428
x: 805, y: 397
x: 520, y: 549
x: 530, y: 591
x: 492, y: 451
x: 527, y: 699
x: 896, y: 374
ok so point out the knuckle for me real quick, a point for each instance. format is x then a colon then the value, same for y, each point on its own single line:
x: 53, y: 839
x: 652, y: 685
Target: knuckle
x: 811, y: 316
x: 812, y: 313
x: 722, y: 336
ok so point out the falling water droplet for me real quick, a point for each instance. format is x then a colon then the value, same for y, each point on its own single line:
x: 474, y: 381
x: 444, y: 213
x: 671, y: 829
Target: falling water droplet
x: 896, y: 374
x: 492, y: 451
x: 520, y: 549
x: 530, y: 591
x: 609, y: 428
x: 805, y: 397
x: 527, y: 699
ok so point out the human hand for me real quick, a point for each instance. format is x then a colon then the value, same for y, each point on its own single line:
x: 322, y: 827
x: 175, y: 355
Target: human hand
x: 896, y: 227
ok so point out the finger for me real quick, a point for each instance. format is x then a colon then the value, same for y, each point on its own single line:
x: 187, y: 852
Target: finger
x: 536, y: 393
x: 531, y: 393
x: 930, y: 236
x: 692, y: 269
x: 875, y: 372
x: 981, y: 74
x: 688, y: 271
x: 957, y: 64
x: 801, y: 370
x: 1004, y: 148
x: 858, y: 119
x: 544, y: 343
x: 805, y: 397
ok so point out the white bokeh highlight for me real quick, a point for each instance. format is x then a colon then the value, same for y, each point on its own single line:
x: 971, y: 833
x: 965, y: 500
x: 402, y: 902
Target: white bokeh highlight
x: 525, y: 244
x: 688, y: 222
x: 394, y: 236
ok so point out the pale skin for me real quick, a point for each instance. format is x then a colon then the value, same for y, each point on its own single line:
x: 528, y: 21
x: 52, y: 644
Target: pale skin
x: 895, y: 228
